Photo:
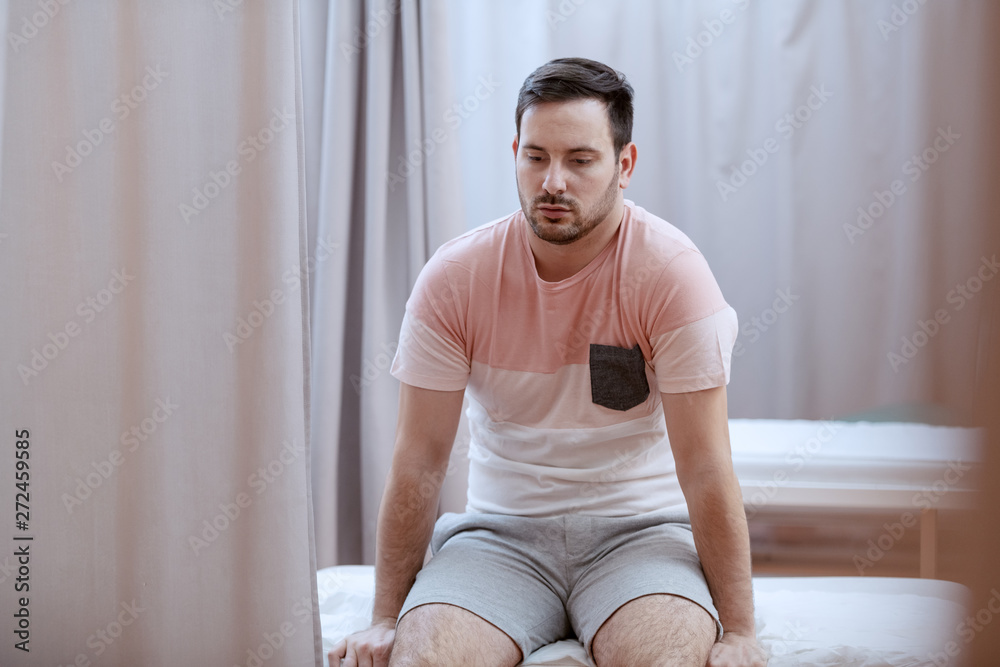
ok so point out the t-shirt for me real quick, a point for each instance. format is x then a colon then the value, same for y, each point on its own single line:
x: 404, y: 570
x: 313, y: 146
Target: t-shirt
x: 564, y: 378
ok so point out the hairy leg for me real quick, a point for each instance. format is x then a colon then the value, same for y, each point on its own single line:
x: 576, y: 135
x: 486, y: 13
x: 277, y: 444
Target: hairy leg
x: 442, y: 634
x: 655, y: 631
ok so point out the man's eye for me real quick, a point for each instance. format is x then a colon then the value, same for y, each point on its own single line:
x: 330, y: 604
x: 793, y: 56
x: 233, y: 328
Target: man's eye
x: 582, y: 161
x: 534, y: 158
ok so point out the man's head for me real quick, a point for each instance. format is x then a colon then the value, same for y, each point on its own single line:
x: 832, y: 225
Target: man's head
x: 573, y: 152
x: 568, y: 79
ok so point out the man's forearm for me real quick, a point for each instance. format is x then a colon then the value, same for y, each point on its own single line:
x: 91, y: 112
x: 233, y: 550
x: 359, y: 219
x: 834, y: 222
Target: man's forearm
x: 719, y: 524
x: 405, y: 523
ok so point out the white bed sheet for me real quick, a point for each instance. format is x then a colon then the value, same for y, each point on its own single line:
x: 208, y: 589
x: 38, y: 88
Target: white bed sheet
x: 801, y: 621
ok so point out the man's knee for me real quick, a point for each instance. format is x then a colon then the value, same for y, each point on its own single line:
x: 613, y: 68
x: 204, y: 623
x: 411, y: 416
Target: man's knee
x: 442, y: 634
x: 417, y: 634
x: 647, y: 630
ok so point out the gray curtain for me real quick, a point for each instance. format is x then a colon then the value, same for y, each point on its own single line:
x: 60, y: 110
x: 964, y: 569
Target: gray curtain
x: 154, y: 337
x: 385, y: 200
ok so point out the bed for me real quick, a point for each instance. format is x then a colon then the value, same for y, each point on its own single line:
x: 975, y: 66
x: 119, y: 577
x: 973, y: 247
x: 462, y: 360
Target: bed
x: 807, y: 621
x: 909, y: 468
x: 801, y: 621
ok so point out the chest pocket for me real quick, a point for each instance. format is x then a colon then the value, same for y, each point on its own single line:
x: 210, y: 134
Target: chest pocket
x: 617, y: 376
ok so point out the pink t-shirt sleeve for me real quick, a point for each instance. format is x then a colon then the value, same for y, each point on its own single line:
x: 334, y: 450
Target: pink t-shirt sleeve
x: 692, y: 328
x: 432, y: 351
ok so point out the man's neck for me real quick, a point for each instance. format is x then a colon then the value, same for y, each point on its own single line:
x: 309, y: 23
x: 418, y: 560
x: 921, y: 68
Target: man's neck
x: 555, y: 262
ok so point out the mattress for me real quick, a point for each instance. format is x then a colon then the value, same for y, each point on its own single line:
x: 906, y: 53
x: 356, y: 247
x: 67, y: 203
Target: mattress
x: 801, y: 621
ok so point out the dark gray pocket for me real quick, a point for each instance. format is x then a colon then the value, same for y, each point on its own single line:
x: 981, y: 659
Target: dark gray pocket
x: 617, y: 376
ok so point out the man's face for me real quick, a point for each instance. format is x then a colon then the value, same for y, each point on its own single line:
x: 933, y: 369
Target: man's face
x: 568, y: 175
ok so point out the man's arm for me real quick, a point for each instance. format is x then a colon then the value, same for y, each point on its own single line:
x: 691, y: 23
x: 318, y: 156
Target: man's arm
x: 698, y: 428
x: 425, y: 432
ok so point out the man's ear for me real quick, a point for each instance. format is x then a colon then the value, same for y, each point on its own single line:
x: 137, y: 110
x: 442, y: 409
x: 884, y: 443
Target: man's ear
x: 626, y: 160
x: 514, y: 145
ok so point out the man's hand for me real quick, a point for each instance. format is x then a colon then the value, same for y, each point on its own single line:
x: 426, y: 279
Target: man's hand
x: 368, y: 648
x: 736, y: 651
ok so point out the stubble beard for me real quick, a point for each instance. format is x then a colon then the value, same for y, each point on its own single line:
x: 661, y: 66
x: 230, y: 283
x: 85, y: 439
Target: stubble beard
x: 563, y: 232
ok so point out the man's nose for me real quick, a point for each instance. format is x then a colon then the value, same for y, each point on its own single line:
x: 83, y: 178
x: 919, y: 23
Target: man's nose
x: 554, y: 182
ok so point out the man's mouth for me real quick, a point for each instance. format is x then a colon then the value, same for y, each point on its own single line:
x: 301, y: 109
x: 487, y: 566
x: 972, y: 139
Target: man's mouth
x: 554, y: 212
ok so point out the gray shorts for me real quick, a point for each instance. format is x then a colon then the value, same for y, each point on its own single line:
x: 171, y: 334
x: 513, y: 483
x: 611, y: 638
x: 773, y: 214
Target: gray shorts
x: 544, y: 579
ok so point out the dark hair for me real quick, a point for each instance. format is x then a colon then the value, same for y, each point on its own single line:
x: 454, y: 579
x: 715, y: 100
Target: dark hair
x: 566, y: 79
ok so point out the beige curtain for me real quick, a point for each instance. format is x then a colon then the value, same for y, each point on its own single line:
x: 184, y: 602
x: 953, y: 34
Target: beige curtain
x: 154, y: 335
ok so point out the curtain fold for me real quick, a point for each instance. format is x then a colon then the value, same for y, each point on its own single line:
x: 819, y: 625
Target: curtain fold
x: 155, y: 335
x: 386, y: 200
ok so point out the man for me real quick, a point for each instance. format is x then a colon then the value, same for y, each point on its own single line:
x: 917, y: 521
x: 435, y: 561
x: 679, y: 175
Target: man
x: 583, y: 518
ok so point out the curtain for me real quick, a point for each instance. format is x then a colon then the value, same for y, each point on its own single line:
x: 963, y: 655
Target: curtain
x: 826, y: 157
x: 155, y: 336
x: 385, y: 200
